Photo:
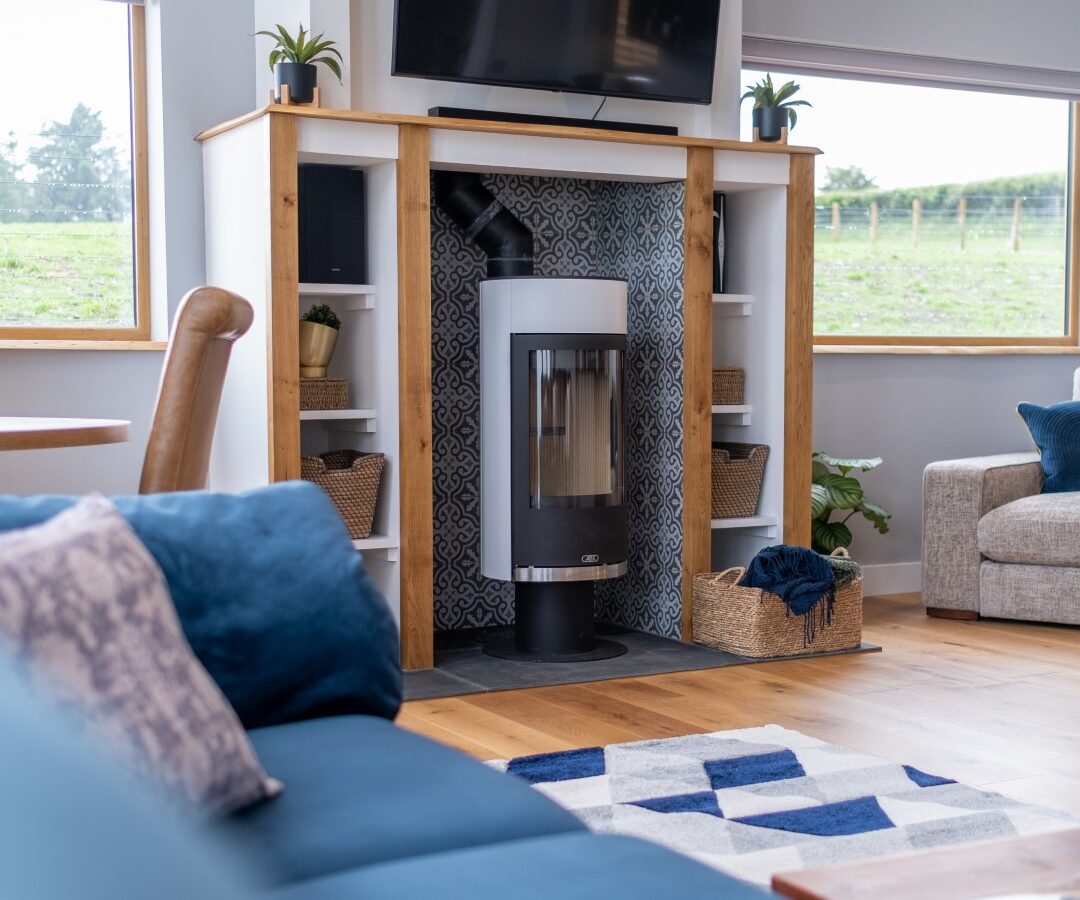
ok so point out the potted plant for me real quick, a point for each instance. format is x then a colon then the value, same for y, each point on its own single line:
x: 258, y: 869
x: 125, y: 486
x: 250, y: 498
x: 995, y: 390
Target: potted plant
x: 318, y: 334
x: 293, y: 60
x: 773, y: 109
x: 837, y: 491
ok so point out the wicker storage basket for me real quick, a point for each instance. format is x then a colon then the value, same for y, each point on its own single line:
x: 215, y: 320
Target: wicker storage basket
x: 752, y: 622
x: 352, y: 481
x: 737, y: 473
x: 728, y: 387
x: 324, y: 393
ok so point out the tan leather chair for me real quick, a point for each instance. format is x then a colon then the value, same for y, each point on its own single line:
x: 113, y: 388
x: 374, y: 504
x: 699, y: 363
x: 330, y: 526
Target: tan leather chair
x: 178, y: 453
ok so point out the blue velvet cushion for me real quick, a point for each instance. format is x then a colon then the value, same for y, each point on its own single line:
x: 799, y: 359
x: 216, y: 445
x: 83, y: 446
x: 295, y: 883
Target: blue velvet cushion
x: 359, y: 790
x: 1056, y: 432
x: 74, y: 826
x: 563, y: 867
x: 273, y: 598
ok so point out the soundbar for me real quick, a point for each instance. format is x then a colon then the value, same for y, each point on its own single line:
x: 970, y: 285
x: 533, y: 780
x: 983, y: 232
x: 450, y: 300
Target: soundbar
x: 485, y: 115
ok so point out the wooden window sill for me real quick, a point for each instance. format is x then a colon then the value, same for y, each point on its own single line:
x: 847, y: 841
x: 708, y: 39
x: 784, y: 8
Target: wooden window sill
x: 35, y: 344
x: 947, y: 349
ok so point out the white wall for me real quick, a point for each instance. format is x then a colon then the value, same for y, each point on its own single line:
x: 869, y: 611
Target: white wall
x: 373, y: 88
x: 200, y: 74
x: 1036, y: 33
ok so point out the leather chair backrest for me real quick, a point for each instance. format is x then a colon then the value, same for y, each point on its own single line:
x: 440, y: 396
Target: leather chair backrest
x: 207, y: 323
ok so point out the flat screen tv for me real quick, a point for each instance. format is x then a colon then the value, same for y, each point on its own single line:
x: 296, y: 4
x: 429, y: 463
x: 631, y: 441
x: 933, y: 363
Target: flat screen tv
x: 648, y: 49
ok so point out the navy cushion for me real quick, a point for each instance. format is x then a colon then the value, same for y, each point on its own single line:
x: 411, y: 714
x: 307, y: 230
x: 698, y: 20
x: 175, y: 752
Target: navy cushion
x: 1055, y: 430
x: 566, y: 867
x: 273, y: 598
x: 359, y: 790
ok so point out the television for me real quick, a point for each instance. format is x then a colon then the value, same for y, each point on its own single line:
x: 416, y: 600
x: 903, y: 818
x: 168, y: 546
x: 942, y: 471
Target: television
x: 646, y: 49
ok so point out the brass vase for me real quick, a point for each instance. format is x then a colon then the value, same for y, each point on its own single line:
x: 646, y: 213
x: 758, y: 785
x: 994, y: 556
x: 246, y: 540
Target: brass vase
x: 316, y: 348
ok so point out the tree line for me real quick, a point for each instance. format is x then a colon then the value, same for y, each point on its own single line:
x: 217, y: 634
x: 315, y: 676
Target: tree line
x: 851, y: 187
x: 70, y: 174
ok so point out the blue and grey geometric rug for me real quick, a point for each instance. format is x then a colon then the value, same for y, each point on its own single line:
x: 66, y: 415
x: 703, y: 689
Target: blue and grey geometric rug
x: 764, y: 800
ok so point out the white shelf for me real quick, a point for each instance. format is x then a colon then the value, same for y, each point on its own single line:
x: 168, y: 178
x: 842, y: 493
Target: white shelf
x: 379, y: 545
x: 362, y: 420
x: 351, y: 297
x: 734, y: 414
x: 764, y: 526
x: 733, y: 304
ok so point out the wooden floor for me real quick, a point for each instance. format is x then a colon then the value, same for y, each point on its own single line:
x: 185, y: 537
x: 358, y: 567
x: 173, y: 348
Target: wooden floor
x: 995, y: 704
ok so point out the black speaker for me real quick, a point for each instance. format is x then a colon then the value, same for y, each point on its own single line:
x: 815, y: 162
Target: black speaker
x: 718, y: 228
x: 333, y: 246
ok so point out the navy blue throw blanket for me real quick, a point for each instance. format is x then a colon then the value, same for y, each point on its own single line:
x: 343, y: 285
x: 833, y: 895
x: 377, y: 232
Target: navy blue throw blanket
x: 801, y: 578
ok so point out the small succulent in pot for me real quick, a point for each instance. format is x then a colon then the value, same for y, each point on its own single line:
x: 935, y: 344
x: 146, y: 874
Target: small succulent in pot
x: 319, y: 328
x: 293, y: 60
x: 774, y: 110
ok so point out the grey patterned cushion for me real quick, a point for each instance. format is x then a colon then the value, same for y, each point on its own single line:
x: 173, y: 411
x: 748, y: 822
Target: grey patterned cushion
x: 88, y: 613
x: 1043, y: 530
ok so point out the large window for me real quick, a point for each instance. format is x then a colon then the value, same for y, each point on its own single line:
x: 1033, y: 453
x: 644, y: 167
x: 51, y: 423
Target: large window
x: 72, y: 173
x: 942, y: 215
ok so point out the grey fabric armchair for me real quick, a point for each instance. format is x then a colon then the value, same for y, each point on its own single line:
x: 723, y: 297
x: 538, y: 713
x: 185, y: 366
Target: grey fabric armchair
x: 994, y: 546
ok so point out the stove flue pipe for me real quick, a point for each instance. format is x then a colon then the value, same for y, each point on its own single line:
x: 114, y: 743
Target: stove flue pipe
x: 497, y: 231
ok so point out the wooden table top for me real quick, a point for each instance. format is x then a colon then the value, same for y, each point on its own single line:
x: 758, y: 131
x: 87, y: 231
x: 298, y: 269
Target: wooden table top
x: 41, y: 433
x: 1042, y: 864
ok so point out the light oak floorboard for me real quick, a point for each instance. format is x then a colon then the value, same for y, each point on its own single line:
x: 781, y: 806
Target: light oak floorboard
x: 994, y: 704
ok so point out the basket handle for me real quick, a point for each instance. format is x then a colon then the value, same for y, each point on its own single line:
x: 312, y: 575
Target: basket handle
x: 841, y: 552
x: 733, y: 575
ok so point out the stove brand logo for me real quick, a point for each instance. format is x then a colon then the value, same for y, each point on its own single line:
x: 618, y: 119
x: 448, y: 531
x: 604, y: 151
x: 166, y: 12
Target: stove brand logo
x: 590, y: 558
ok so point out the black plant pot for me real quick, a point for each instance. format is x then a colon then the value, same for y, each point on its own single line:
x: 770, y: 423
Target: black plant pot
x: 769, y: 121
x: 301, y: 79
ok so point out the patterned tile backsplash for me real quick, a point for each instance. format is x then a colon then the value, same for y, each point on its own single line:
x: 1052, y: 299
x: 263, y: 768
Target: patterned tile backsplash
x: 580, y: 228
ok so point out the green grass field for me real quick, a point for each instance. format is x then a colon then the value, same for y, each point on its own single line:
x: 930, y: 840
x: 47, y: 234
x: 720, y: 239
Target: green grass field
x: 66, y: 273
x: 894, y: 288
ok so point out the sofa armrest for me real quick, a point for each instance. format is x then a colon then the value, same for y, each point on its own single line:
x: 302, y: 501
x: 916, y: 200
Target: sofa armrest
x: 956, y: 494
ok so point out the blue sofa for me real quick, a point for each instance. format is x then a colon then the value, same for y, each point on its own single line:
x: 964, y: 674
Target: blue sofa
x: 369, y: 810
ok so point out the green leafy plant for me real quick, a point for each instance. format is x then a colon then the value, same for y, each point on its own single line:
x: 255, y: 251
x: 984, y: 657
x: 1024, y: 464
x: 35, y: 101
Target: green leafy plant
x: 303, y: 49
x: 322, y: 315
x: 766, y: 96
x: 834, y: 490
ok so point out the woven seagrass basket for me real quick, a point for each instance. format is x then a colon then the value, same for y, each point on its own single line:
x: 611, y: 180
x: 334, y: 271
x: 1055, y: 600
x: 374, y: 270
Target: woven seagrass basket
x: 754, y: 623
x: 737, y: 473
x: 352, y: 481
x: 324, y: 393
x: 728, y: 387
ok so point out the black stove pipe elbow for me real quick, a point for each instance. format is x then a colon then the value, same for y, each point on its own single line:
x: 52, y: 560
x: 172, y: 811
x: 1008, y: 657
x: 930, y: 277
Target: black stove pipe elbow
x: 497, y: 231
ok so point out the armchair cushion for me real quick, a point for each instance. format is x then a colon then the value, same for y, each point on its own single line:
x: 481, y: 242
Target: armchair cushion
x: 1043, y: 530
x: 956, y: 495
x: 1055, y: 429
x: 271, y: 596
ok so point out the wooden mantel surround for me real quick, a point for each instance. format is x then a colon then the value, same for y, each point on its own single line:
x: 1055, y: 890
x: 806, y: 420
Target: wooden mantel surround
x: 408, y: 147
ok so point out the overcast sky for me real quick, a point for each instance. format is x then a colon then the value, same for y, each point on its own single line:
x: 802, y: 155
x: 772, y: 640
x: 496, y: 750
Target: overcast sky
x: 912, y: 136
x: 84, y: 58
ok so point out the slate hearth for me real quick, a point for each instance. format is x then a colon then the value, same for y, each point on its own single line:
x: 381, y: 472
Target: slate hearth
x: 461, y: 666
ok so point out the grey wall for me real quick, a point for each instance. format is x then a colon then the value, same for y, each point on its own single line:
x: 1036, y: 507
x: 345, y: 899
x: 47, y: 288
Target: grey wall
x: 204, y: 77
x: 1038, y: 33
x: 913, y: 410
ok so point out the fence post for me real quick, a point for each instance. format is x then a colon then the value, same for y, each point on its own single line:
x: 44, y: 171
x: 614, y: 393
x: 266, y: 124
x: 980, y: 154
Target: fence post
x: 836, y: 223
x: 961, y: 217
x: 916, y: 219
x: 1014, y: 238
x: 873, y: 223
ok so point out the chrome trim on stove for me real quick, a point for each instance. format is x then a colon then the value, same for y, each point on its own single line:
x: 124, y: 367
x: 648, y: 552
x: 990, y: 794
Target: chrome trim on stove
x: 569, y: 573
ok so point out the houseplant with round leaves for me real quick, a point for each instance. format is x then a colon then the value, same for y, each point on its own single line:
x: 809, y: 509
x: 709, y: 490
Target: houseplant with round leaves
x: 774, y: 110
x: 293, y: 60
x: 319, y: 328
x: 834, y: 490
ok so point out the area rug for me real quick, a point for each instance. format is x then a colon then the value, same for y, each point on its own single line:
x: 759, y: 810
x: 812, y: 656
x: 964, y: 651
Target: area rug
x: 762, y: 800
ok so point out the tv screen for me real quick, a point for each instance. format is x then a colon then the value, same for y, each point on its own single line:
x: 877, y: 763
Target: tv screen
x: 650, y: 49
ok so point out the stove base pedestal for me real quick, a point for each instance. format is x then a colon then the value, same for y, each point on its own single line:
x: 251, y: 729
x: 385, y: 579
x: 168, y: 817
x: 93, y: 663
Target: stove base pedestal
x: 553, y: 622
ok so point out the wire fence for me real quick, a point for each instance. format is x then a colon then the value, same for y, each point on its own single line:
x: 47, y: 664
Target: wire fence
x: 1015, y: 223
